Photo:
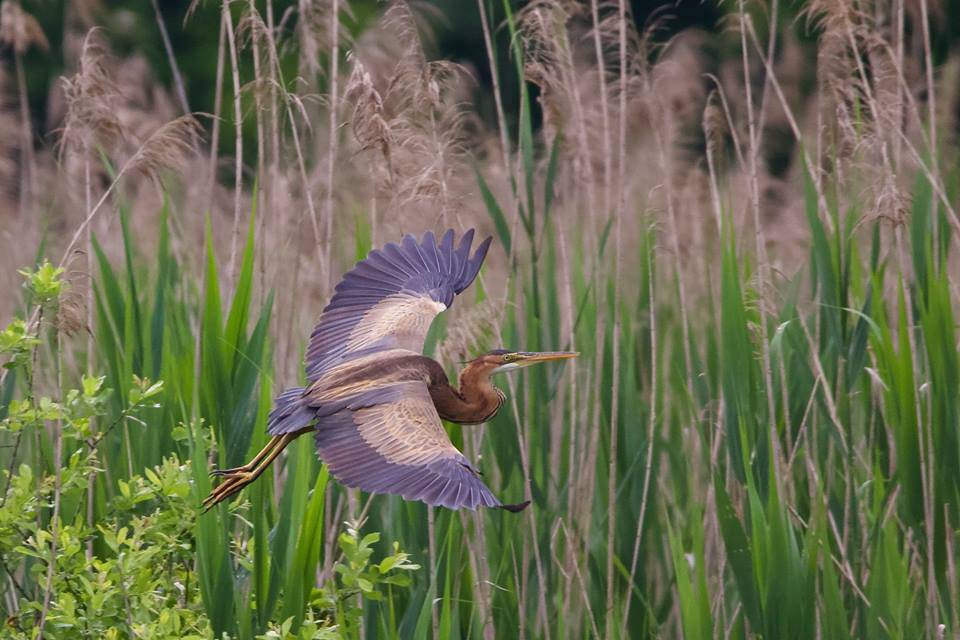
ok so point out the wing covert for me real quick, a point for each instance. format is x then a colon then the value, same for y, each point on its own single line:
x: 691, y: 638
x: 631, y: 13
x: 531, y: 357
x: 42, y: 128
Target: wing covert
x: 391, y: 440
x: 390, y: 298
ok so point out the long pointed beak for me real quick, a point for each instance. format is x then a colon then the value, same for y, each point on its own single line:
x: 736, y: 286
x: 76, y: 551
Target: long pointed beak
x: 528, y: 358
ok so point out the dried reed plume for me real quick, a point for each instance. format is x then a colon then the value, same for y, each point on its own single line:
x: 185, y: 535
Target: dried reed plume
x: 470, y: 333
x: 315, y: 33
x: 19, y: 30
x: 367, y: 120
x: 421, y: 115
x: 167, y: 148
x: 72, y: 306
x: 548, y: 63
x: 91, y: 95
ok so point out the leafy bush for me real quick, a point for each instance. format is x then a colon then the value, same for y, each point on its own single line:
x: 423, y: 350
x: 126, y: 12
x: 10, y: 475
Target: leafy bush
x: 131, y: 576
x: 336, y: 608
x: 132, y: 571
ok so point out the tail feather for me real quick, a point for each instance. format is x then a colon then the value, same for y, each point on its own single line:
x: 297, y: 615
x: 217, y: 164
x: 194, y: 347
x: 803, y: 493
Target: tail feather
x: 289, y: 413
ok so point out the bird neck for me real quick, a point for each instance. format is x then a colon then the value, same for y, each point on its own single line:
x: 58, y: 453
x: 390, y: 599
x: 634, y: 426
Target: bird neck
x: 476, y: 401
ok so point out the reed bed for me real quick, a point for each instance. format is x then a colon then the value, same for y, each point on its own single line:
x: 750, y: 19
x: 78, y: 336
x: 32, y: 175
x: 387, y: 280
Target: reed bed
x: 753, y: 254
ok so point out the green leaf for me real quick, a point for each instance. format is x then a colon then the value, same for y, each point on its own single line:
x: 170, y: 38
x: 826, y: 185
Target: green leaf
x: 495, y: 212
x: 739, y: 554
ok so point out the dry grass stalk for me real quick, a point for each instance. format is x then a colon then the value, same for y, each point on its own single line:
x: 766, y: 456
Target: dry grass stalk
x: 18, y: 32
x: 755, y: 133
x: 622, y: 58
x: 227, y: 18
x: 217, y: 110
x: 495, y: 82
x: 333, y: 133
x: 10, y: 141
x: 434, y: 568
x: 272, y: 74
x: 600, y: 61
x: 171, y: 58
x: 570, y: 564
x: 549, y: 32
x: 273, y: 152
x: 55, y: 520
x: 318, y: 28
x: 252, y: 25
x: 932, y: 598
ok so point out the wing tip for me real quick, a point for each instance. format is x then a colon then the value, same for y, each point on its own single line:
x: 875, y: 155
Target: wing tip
x: 481, y: 251
x: 514, y: 508
x: 471, y: 265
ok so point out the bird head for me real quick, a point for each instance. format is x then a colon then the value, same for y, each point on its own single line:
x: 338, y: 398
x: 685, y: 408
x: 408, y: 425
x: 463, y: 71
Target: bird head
x: 501, y: 360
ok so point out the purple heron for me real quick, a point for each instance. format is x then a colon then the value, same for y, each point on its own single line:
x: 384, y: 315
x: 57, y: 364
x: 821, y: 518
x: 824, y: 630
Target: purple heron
x: 373, y: 401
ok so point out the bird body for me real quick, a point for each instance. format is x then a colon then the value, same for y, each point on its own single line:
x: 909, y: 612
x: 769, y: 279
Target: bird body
x: 373, y: 402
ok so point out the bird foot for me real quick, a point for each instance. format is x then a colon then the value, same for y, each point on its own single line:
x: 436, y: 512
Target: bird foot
x: 237, y: 478
x: 234, y: 481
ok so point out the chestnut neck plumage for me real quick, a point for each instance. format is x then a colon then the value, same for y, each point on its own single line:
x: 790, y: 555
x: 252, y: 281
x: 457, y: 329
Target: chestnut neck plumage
x: 476, y: 401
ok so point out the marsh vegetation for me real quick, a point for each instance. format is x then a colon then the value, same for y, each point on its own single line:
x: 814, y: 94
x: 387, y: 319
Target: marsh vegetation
x: 748, y: 234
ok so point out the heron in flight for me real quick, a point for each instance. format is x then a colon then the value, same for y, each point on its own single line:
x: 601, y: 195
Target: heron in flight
x: 373, y: 401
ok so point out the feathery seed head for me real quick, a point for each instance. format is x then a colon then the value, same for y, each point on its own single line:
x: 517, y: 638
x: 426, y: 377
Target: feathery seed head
x: 91, y: 96
x: 368, y: 123
x: 168, y: 147
x: 19, y: 30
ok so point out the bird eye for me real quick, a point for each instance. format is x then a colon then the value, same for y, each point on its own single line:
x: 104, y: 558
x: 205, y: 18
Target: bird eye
x: 509, y: 357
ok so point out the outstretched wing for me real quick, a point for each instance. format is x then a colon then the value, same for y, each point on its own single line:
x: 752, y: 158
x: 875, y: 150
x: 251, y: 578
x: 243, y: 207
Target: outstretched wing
x: 389, y: 299
x: 390, y: 440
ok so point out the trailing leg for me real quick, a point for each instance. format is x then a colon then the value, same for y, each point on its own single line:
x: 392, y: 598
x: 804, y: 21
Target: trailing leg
x: 236, y: 479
